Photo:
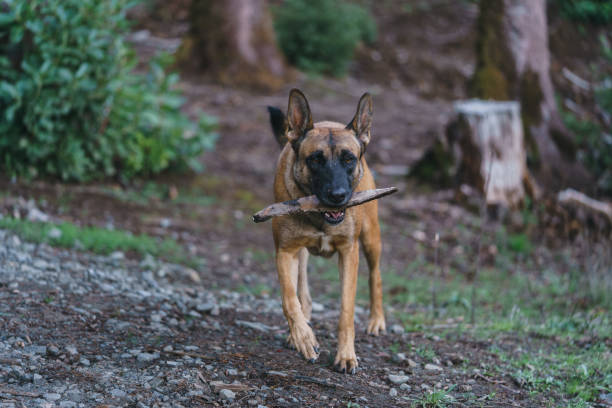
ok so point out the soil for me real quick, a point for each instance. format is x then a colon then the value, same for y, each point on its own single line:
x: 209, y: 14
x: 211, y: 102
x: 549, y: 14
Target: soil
x: 419, y: 66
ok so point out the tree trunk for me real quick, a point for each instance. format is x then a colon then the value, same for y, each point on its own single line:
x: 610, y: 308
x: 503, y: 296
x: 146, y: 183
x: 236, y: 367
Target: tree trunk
x: 513, y: 63
x: 234, y: 41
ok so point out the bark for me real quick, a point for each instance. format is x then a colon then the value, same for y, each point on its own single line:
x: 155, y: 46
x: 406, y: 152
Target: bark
x: 513, y: 63
x: 234, y: 41
x: 311, y: 203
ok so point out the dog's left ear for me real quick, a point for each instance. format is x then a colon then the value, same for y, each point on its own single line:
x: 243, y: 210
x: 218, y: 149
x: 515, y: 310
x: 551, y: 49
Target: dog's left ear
x: 362, y: 122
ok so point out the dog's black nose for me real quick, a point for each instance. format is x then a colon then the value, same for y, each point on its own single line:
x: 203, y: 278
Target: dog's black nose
x: 338, y: 195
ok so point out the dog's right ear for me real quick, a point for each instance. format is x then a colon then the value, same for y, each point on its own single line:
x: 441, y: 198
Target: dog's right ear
x: 298, y: 115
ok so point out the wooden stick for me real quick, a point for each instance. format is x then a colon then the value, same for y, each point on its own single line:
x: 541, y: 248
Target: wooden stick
x: 312, y: 204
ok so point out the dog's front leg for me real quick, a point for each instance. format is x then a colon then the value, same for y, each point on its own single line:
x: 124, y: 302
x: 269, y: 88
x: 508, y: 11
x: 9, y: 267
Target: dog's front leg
x: 346, y: 360
x: 300, y: 334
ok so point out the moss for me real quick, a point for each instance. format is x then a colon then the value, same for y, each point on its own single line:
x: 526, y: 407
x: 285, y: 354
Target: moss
x: 495, y: 71
x: 490, y: 83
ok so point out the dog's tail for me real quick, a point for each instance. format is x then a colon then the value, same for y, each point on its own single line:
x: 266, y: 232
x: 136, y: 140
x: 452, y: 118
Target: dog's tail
x: 279, y: 125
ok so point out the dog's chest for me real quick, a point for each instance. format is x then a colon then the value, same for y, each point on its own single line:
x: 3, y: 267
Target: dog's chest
x: 324, y: 247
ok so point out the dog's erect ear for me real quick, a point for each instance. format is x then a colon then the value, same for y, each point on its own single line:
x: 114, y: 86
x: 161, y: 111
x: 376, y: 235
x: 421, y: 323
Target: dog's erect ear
x: 362, y: 122
x: 298, y: 114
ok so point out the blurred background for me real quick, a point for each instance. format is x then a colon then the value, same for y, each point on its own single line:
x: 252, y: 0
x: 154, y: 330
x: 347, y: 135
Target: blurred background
x: 142, y: 127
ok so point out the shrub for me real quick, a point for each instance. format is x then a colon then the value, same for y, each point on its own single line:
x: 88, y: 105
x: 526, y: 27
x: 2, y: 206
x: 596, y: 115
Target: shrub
x: 320, y: 36
x: 588, y: 11
x: 71, y: 105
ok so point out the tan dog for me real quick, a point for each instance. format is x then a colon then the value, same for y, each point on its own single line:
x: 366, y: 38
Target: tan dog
x: 325, y: 159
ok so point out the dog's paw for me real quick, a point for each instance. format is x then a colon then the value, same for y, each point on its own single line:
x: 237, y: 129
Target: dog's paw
x: 376, y: 325
x: 303, y: 339
x: 346, y: 362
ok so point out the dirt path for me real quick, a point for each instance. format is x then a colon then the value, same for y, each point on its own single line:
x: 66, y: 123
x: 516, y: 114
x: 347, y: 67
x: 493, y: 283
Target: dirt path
x: 79, y: 330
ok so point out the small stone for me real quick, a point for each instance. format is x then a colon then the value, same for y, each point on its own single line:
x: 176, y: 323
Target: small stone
x: 397, y: 329
x: 317, y: 307
x: 205, y: 307
x: 412, y: 363
x: 168, y: 348
x: 254, y: 325
x: 405, y: 387
x: 52, y: 396
x: 53, y: 350
x: 393, y: 392
x: 398, y: 379
x: 117, y: 256
x: 398, y: 357
x: 67, y: 404
x: 231, y: 371
x: 147, y: 357
x: 37, y: 378
x: 117, y: 393
x: 466, y: 388
x: 252, y: 402
x: 84, y: 362
x: 227, y: 394
x: 433, y: 367
x: 54, y: 233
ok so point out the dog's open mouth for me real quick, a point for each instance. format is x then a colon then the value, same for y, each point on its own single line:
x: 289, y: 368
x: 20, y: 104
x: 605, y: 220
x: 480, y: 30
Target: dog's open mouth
x: 334, y: 217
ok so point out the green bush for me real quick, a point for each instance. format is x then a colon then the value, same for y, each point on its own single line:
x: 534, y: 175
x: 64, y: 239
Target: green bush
x: 588, y: 11
x: 320, y: 36
x: 71, y: 105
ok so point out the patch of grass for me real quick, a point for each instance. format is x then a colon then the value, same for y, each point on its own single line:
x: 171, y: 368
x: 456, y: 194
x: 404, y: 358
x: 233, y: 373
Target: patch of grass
x: 97, y: 240
x: 434, y: 399
x: 579, y: 373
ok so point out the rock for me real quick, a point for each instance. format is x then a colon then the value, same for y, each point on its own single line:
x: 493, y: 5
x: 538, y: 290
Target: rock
x: 117, y: 256
x: 117, y: 393
x: 405, y: 387
x: 206, y: 307
x: 116, y: 325
x: 398, y: 379
x: 412, y: 363
x: 433, y: 367
x: 147, y: 357
x: 397, y: 329
x: 68, y: 404
x: 53, y: 350
x: 54, y: 233
x: 317, y: 307
x: 227, y: 394
x: 252, y: 403
x: 254, y: 325
x: 393, y: 392
x: 52, y: 396
x: 37, y: 379
x: 34, y: 214
x: 231, y: 371
x: 84, y: 362
x: 398, y: 357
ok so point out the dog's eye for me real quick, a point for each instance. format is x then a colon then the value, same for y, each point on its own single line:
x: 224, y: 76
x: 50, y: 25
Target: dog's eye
x: 316, y: 160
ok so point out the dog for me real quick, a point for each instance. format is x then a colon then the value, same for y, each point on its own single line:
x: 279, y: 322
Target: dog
x: 325, y: 159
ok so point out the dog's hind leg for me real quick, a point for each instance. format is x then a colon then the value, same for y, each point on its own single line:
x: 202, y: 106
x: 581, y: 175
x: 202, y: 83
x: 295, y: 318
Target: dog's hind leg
x: 372, y: 247
x: 302, y: 284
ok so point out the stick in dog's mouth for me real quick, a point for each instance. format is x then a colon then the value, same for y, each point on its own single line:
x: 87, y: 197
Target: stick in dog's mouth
x: 311, y: 203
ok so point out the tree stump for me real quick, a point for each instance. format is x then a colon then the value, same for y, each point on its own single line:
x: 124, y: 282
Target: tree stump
x: 492, y: 150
